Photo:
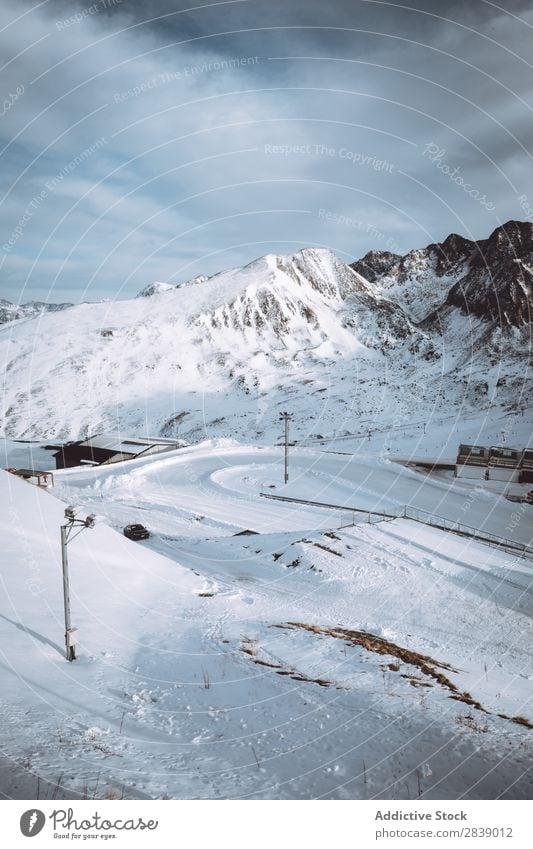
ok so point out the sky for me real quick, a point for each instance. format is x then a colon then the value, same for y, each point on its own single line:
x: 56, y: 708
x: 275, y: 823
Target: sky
x: 161, y: 140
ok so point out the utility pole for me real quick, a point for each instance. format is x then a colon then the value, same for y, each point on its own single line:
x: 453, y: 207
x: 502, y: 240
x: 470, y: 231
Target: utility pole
x: 69, y: 644
x: 286, y: 418
x: 66, y: 537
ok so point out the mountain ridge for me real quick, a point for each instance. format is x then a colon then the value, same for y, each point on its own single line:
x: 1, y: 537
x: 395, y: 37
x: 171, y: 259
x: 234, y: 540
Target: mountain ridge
x: 31, y: 309
x: 304, y: 331
x: 489, y: 278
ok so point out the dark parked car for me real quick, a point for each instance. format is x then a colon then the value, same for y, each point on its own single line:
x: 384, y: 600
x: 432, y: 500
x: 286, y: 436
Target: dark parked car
x: 136, y: 532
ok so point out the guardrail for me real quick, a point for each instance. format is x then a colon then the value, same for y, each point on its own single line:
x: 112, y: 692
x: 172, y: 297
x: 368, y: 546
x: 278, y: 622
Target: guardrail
x: 345, y: 508
x: 423, y: 517
x: 486, y: 537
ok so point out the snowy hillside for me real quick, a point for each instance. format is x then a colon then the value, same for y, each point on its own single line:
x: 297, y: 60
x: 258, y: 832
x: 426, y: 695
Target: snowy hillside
x: 188, y: 357
x: 311, y: 658
x: 222, y: 356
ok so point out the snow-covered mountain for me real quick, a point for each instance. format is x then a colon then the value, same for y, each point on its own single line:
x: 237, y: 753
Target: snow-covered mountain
x: 12, y: 312
x: 491, y: 278
x: 221, y: 356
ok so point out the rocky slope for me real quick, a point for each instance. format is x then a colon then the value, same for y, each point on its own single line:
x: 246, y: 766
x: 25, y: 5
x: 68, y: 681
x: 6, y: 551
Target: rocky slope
x: 498, y: 284
x: 490, y: 279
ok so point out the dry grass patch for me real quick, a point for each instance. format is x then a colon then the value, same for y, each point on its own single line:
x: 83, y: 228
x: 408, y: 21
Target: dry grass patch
x: 379, y: 645
x: 251, y: 648
x: 520, y: 720
x: 428, y: 665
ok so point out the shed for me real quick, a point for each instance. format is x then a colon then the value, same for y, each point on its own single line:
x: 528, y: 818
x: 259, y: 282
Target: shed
x: 35, y: 476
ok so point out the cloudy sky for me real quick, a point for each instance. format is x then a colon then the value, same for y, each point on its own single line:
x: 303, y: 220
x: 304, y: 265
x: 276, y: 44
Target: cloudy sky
x: 160, y: 140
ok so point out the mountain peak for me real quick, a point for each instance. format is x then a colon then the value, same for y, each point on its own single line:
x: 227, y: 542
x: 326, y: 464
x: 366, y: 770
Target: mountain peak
x: 155, y: 288
x: 499, y: 282
x: 511, y: 236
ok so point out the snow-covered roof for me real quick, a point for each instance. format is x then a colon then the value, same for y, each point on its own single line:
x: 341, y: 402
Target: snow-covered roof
x: 125, y: 445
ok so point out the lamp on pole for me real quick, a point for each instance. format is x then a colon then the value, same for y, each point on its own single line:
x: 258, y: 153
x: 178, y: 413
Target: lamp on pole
x: 286, y: 419
x: 66, y: 537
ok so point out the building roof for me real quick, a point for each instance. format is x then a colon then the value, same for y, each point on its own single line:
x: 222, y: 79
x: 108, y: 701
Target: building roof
x: 118, y: 444
x: 31, y: 473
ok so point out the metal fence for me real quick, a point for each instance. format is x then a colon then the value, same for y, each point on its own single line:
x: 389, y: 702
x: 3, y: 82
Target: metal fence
x: 416, y: 515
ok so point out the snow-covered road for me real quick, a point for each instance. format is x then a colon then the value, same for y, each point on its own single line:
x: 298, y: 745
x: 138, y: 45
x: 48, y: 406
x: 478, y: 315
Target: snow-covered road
x: 223, y: 483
